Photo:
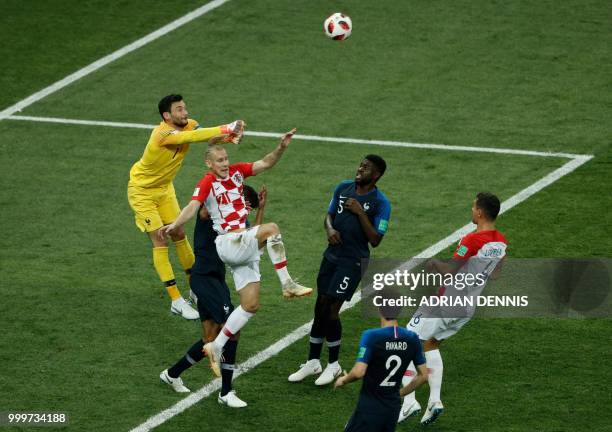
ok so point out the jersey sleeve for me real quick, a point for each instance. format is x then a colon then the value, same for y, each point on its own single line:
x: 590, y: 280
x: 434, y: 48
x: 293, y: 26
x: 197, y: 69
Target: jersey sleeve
x: 202, y: 189
x: 365, y: 347
x: 381, y: 219
x: 467, y: 248
x: 175, y: 137
x: 419, y: 357
x: 333, y: 204
x: 245, y: 168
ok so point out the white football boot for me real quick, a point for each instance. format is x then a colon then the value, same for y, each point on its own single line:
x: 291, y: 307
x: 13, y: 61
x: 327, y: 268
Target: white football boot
x: 231, y: 400
x: 193, y: 298
x: 182, y: 308
x: 433, y: 411
x: 293, y: 289
x: 410, y: 408
x: 176, y: 383
x: 311, y: 367
x: 214, y: 354
x: 330, y: 373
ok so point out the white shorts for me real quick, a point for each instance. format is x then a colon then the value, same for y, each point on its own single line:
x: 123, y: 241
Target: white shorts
x: 240, y: 251
x: 436, y: 328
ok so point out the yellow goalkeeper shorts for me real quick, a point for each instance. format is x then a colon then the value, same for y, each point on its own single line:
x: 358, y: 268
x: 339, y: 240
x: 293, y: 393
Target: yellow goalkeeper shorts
x: 153, y: 207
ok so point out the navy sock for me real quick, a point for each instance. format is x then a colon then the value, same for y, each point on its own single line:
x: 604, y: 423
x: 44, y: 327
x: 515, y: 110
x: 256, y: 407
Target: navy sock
x: 316, y: 345
x: 334, y: 337
x: 228, y: 366
x: 317, y: 331
x: 193, y: 356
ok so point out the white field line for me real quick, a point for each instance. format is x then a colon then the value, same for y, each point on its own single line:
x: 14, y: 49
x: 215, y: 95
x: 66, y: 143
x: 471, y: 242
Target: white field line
x: 315, y: 138
x: 304, y: 329
x: 110, y: 58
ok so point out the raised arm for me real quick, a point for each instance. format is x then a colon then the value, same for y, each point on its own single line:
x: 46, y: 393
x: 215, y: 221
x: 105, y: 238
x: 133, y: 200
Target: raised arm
x: 273, y: 157
x: 216, y: 135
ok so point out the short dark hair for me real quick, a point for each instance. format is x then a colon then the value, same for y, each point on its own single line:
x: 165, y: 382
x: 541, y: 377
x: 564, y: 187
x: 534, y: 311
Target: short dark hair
x: 390, y: 312
x: 250, y: 195
x: 166, y: 102
x: 378, y: 162
x: 489, y: 204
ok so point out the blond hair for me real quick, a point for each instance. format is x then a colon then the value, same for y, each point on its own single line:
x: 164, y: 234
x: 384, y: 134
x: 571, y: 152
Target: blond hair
x: 210, y: 150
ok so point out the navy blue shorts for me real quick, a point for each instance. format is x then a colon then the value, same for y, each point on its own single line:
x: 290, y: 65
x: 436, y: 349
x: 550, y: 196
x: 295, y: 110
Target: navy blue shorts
x: 339, y: 281
x: 214, y: 301
x: 371, y: 422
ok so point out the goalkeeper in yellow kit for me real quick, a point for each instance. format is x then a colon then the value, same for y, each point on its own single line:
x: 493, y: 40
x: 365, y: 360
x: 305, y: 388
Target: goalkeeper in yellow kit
x: 151, y: 192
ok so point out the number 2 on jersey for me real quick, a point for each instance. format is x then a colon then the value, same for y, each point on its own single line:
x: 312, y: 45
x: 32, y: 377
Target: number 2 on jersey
x: 397, y: 361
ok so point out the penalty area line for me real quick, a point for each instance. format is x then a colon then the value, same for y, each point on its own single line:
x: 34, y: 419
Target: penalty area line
x: 297, y: 334
x: 316, y: 138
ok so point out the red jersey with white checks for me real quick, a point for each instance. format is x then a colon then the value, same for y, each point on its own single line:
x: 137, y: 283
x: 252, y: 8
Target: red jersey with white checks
x: 223, y: 197
x: 482, y: 252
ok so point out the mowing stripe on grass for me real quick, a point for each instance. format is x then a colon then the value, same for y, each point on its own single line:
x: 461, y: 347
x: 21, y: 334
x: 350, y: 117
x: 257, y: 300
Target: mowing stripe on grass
x: 111, y: 58
x: 304, y: 329
x: 318, y: 138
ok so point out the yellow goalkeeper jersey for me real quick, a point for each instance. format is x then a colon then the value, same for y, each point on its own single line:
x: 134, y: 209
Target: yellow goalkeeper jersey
x: 165, y: 152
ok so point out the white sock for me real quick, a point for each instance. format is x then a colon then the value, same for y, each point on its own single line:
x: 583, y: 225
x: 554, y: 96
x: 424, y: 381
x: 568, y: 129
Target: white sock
x: 276, y: 251
x: 237, y: 319
x: 435, y: 367
x: 409, y: 375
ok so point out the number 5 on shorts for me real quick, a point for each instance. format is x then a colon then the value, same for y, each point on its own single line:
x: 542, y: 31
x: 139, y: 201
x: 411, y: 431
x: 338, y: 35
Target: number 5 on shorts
x: 344, y: 284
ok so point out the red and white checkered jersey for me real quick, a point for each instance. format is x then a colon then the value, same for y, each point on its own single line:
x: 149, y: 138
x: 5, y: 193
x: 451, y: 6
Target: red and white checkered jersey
x: 223, y: 197
x: 482, y: 252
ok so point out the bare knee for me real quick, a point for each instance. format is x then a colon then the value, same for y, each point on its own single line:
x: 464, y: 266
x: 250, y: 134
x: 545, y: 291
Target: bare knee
x: 271, y: 229
x: 157, y: 242
x: 431, y: 344
x: 250, y: 306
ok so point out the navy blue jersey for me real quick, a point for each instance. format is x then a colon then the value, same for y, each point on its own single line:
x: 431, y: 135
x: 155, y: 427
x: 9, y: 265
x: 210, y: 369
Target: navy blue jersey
x: 207, y: 259
x: 354, y: 245
x: 388, y: 352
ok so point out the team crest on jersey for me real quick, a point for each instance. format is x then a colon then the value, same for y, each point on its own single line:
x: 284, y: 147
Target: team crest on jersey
x: 237, y: 177
x: 226, y: 309
x: 366, y: 206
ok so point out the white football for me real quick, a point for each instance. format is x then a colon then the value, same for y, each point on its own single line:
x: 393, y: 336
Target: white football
x: 338, y: 26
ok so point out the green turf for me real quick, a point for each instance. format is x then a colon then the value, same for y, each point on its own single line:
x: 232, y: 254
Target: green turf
x: 86, y: 322
x: 45, y: 40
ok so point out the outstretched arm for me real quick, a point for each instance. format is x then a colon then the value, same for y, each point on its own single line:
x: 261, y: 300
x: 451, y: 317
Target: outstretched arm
x: 219, y: 134
x: 186, y: 214
x: 271, y: 158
